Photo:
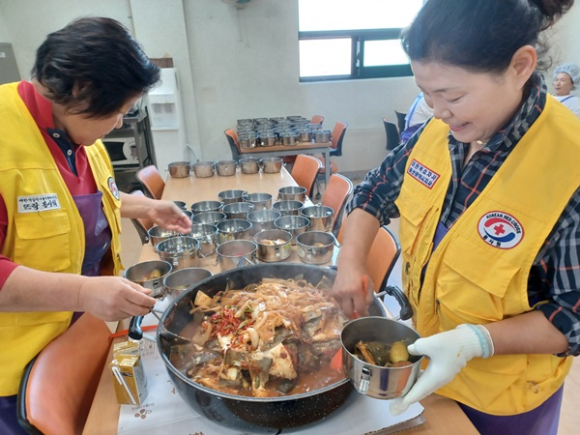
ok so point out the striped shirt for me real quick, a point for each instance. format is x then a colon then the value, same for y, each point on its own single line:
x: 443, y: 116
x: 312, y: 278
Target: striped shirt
x: 554, y: 281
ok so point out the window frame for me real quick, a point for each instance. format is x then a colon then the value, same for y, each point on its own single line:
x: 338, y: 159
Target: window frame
x: 358, y: 38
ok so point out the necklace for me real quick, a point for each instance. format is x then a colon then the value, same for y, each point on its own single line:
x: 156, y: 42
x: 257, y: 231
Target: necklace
x: 480, y: 142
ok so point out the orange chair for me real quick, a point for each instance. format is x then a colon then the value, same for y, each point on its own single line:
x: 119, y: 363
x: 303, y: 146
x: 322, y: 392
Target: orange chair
x: 233, y: 142
x: 382, y: 256
x: 335, y: 149
x: 337, y: 192
x: 305, y: 170
x: 142, y: 225
x: 151, y: 181
x: 317, y: 119
x: 58, y: 386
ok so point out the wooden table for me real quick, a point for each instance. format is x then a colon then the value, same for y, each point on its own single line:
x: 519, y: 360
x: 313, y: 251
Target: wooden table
x: 442, y: 415
x: 293, y: 150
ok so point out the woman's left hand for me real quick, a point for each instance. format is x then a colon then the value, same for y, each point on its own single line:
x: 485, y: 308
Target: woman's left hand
x: 167, y: 215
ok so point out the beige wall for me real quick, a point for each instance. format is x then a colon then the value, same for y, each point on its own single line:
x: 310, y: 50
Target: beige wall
x: 240, y: 64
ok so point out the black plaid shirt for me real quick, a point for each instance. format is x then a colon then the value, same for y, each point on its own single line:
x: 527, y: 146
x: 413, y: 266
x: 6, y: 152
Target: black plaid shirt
x: 554, y: 282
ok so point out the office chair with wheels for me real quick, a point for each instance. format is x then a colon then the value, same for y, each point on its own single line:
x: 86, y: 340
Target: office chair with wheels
x: 337, y: 192
x: 305, y: 170
x: 401, y: 120
x: 151, y: 180
x: 233, y: 142
x: 58, y: 386
x: 392, y: 135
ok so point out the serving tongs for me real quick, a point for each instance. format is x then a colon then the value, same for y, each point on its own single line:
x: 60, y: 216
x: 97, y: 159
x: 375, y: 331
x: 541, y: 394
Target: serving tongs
x: 136, y: 333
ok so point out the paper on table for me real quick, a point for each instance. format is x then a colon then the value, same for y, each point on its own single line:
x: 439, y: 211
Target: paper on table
x: 165, y: 412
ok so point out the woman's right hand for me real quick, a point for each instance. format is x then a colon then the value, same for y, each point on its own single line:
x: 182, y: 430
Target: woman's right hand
x: 352, y: 290
x: 114, y: 298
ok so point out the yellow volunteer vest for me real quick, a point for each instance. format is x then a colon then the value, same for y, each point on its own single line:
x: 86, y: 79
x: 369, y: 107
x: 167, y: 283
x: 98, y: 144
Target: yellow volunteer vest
x: 51, y: 239
x: 479, y: 272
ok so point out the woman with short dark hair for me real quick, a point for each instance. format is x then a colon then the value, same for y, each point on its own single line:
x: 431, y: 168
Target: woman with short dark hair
x: 60, y: 209
x: 489, y: 203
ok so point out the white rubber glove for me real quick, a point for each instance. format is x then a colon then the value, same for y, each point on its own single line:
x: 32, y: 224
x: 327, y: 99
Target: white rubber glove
x: 449, y: 352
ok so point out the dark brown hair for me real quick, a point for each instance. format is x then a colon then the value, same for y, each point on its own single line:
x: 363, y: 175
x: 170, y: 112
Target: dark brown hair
x: 93, y: 66
x: 479, y: 35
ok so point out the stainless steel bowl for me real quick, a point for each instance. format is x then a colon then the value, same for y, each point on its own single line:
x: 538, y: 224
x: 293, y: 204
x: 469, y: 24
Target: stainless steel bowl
x: 374, y: 381
x: 182, y: 205
x: 180, y: 252
x: 226, y: 168
x: 315, y: 247
x: 203, y: 169
x: 320, y: 217
x: 207, y: 236
x: 261, y: 201
x: 288, y: 208
x: 205, y: 206
x: 295, y: 225
x: 292, y: 193
x: 150, y: 274
x: 210, y: 217
x: 179, y: 169
x: 271, y: 165
x: 236, y: 253
x: 273, y: 245
x: 180, y: 280
x: 233, y: 229
x: 238, y: 210
x: 262, y: 220
x: 157, y: 235
x: 234, y: 195
x: 249, y: 165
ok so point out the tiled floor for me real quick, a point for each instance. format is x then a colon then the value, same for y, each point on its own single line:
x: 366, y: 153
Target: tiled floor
x: 569, y: 417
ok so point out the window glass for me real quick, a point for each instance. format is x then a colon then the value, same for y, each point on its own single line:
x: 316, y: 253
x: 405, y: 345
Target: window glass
x: 325, y: 57
x: 386, y: 52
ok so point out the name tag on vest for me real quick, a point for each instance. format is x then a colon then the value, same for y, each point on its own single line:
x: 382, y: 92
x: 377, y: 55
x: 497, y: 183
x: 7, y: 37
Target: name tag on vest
x: 422, y: 174
x: 35, y: 203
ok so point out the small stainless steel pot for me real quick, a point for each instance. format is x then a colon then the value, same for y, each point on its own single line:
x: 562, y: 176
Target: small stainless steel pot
x: 210, y: 217
x: 315, y: 247
x: 374, y: 381
x: 261, y: 201
x: 182, y: 205
x: 180, y: 280
x: 207, y: 236
x: 236, y: 253
x: 288, y: 208
x: 268, y: 247
x: 157, y: 235
x: 226, y: 168
x: 271, y: 165
x: 262, y: 220
x: 180, y: 252
x: 238, y: 210
x: 268, y: 140
x: 233, y: 229
x: 179, y: 169
x: 203, y: 169
x: 205, y: 206
x: 234, y: 195
x: 249, y: 165
x: 150, y: 274
x: 322, y: 136
x: 294, y: 193
x: 288, y: 139
x: 295, y: 225
x: 320, y: 217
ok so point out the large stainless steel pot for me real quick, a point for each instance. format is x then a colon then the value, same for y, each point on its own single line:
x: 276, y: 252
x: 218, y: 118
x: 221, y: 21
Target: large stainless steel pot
x: 320, y: 217
x: 181, y: 252
x: 226, y: 168
x: 271, y: 165
x: 250, y: 414
x: 273, y: 245
x: 292, y: 193
x: 233, y: 229
x: 203, y: 169
x: 262, y: 220
x: 261, y: 201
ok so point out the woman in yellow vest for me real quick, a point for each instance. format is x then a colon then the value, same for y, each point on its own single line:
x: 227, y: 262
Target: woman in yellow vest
x: 60, y: 209
x: 489, y: 203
